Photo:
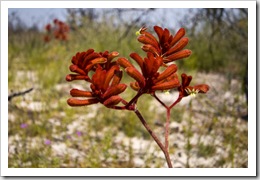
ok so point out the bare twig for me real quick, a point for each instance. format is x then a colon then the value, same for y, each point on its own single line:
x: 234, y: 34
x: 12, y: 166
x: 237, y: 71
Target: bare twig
x: 21, y: 93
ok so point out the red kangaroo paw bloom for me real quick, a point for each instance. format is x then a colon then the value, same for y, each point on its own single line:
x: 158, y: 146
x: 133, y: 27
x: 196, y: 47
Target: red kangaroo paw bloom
x: 109, y: 75
x: 138, y: 59
x: 46, y: 38
x: 186, y: 90
x: 178, y: 55
x: 116, y: 78
x: 48, y: 27
x: 166, y: 73
x: 114, y: 90
x: 124, y: 62
x: 84, y: 62
x: 174, y: 83
x: 71, y: 77
x: 167, y: 46
x: 81, y: 102
x: 112, y: 101
x: 76, y: 69
x: 80, y: 93
x: 59, y: 30
x: 203, y: 88
x: 135, y: 86
x: 179, y: 46
x: 105, y: 82
x: 112, y: 55
x: 134, y: 73
x: 151, y: 79
x: 180, y: 33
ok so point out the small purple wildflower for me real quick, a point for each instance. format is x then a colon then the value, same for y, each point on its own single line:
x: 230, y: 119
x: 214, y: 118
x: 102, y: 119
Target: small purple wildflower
x: 23, y: 125
x: 79, y: 133
x: 47, y: 142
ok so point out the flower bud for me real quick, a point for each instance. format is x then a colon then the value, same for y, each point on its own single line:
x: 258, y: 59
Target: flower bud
x: 138, y: 59
x: 76, y: 69
x: 114, y: 90
x: 112, y: 55
x: 124, y: 62
x: 135, y: 86
x: 71, y: 77
x: 177, y: 36
x: 80, y: 102
x: 167, y: 72
x: 167, y: 85
x: 178, y: 55
x: 179, y: 46
x: 80, y: 93
x: 112, y: 101
x: 134, y: 73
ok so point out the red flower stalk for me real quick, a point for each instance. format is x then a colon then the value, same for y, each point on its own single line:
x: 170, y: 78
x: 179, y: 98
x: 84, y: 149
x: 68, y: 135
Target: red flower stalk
x: 60, y: 30
x: 46, y: 38
x: 48, y: 27
x: 105, y: 86
x: 169, y: 47
x: 149, y: 79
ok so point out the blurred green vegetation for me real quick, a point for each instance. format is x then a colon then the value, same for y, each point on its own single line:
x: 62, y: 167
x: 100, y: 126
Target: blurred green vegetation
x: 43, y: 66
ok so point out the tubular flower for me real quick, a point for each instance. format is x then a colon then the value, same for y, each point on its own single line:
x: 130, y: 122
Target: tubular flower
x: 149, y: 79
x: 48, y: 27
x: 185, y: 89
x: 46, y: 38
x: 105, y: 88
x: 83, y: 62
x: 169, y: 47
x: 61, y: 30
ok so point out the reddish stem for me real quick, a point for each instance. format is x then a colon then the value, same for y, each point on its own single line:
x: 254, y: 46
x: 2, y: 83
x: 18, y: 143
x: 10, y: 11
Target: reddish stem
x: 130, y: 106
x: 156, y: 139
x: 162, y: 103
x: 178, y: 100
x: 139, y: 115
x: 134, y: 99
x: 167, y: 129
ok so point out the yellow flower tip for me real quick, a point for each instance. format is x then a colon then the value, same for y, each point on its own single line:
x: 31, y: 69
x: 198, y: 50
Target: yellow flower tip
x: 192, y: 92
x: 137, y: 33
x: 167, y: 92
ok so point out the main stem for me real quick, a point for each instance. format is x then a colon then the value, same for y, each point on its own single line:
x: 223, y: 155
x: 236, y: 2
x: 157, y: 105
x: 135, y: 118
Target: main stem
x: 167, y: 129
x: 165, y: 150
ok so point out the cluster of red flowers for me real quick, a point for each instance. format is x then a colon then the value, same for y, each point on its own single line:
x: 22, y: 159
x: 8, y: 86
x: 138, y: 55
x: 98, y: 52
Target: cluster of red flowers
x: 59, y: 31
x: 105, y: 84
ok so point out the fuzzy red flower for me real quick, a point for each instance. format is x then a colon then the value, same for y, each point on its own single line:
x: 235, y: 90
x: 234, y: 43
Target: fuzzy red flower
x: 169, y: 47
x: 46, y: 38
x: 105, y: 88
x: 59, y: 30
x: 185, y: 89
x: 149, y: 79
x: 105, y: 82
x: 48, y: 27
x: 83, y: 62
